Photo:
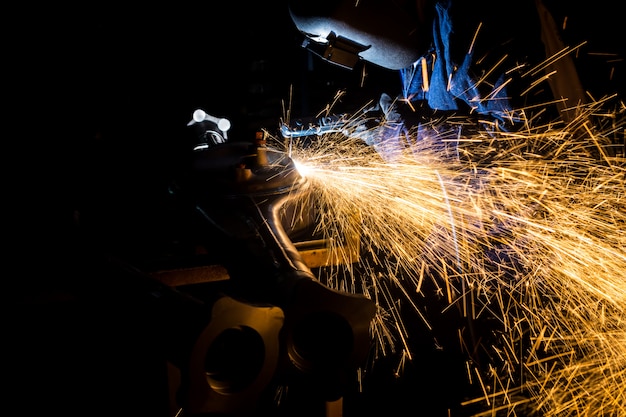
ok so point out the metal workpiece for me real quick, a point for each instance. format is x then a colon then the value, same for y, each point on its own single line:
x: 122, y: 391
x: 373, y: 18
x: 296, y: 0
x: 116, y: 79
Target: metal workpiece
x: 234, y: 358
x: 220, y: 169
x: 242, y: 191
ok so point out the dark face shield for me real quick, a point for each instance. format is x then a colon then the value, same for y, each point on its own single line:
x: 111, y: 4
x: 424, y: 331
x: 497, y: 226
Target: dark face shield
x: 390, y: 34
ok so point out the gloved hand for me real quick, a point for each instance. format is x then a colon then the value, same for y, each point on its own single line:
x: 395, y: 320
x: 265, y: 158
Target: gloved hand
x: 384, y: 128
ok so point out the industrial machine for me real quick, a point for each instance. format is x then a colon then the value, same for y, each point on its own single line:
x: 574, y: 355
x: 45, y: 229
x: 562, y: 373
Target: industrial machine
x: 269, y: 321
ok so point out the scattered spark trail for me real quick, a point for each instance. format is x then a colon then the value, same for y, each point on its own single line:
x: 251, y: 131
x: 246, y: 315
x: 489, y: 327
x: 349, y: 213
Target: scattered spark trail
x: 523, y: 229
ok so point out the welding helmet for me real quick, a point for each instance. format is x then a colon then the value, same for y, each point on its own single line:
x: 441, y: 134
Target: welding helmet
x: 390, y: 34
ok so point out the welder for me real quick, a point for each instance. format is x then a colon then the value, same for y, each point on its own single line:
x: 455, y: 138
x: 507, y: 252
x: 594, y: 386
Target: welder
x: 453, y: 59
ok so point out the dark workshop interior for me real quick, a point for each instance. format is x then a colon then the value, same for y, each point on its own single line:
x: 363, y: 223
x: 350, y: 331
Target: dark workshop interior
x: 96, y: 222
